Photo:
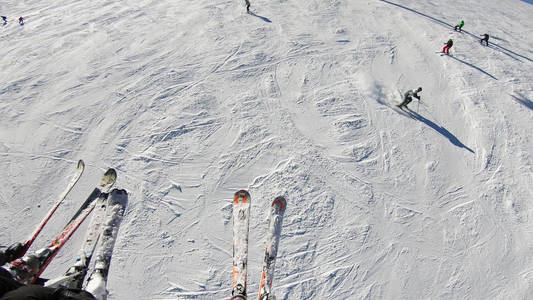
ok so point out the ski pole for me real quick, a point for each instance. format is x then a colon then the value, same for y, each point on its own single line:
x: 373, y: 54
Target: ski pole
x: 418, y: 107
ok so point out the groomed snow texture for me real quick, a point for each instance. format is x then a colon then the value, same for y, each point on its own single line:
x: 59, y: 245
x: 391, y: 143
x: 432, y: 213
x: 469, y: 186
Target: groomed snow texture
x: 191, y: 101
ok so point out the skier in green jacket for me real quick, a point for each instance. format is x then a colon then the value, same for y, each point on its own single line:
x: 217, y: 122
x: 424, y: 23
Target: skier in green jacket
x: 459, y: 26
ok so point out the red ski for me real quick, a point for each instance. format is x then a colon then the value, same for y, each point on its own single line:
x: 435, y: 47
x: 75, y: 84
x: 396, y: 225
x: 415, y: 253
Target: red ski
x: 75, y: 178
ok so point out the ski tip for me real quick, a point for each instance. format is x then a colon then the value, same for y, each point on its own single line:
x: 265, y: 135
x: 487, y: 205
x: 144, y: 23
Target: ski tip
x: 109, y: 176
x: 81, y: 164
x: 111, y: 172
x: 280, y: 202
x: 241, y: 196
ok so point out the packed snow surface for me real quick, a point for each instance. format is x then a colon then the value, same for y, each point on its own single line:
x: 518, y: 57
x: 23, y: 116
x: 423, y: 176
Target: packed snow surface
x: 191, y: 101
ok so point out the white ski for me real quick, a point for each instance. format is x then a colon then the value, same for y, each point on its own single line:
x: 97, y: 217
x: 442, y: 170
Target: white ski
x: 97, y: 281
x: 241, y: 221
x: 277, y: 209
x: 75, y: 275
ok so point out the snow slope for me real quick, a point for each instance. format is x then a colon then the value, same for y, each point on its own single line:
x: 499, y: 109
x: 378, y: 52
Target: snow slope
x: 193, y: 100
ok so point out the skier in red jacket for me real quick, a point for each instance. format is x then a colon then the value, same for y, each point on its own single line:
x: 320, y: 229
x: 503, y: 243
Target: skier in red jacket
x: 446, y: 48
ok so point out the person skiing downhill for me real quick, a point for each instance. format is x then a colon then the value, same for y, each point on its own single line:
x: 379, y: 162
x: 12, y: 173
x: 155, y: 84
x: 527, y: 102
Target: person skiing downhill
x: 247, y: 2
x: 21, y: 21
x: 4, y: 18
x: 459, y: 26
x: 408, y: 97
x: 446, y: 48
x: 485, y: 39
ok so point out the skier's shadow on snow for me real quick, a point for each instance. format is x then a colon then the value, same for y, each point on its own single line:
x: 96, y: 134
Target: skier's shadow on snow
x: 471, y: 65
x: 497, y: 47
x: 422, y: 14
x: 507, y: 51
x: 260, y: 17
x: 453, y: 139
x: 522, y: 100
x: 493, y: 37
x: 491, y: 45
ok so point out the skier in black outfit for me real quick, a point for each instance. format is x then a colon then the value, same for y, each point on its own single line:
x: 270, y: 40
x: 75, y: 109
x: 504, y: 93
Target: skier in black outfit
x: 247, y: 6
x: 4, y: 18
x: 408, y: 97
x: 10, y: 289
x: 485, y: 38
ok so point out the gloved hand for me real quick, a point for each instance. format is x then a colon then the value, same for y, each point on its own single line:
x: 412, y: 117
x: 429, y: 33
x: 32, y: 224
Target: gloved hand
x: 13, y: 252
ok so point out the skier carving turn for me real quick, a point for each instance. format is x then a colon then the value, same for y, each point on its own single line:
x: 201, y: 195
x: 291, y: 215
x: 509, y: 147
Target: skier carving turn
x: 408, y: 97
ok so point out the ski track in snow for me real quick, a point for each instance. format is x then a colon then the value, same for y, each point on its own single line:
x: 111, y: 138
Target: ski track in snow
x: 192, y: 101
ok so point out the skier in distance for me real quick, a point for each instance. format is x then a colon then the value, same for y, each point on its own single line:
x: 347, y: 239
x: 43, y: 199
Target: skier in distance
x: 408, y: 97
x: 21, y: 21
x: 446, y: 48
x: 459, y: 26
x: 247, y: 2
x: 4, y: 18
x: 485, y: 39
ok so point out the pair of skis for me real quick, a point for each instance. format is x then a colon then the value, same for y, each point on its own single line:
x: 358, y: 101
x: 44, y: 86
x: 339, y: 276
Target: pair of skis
x: 241, y: 218
x: 102, y: 232
x: 28, y: 268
